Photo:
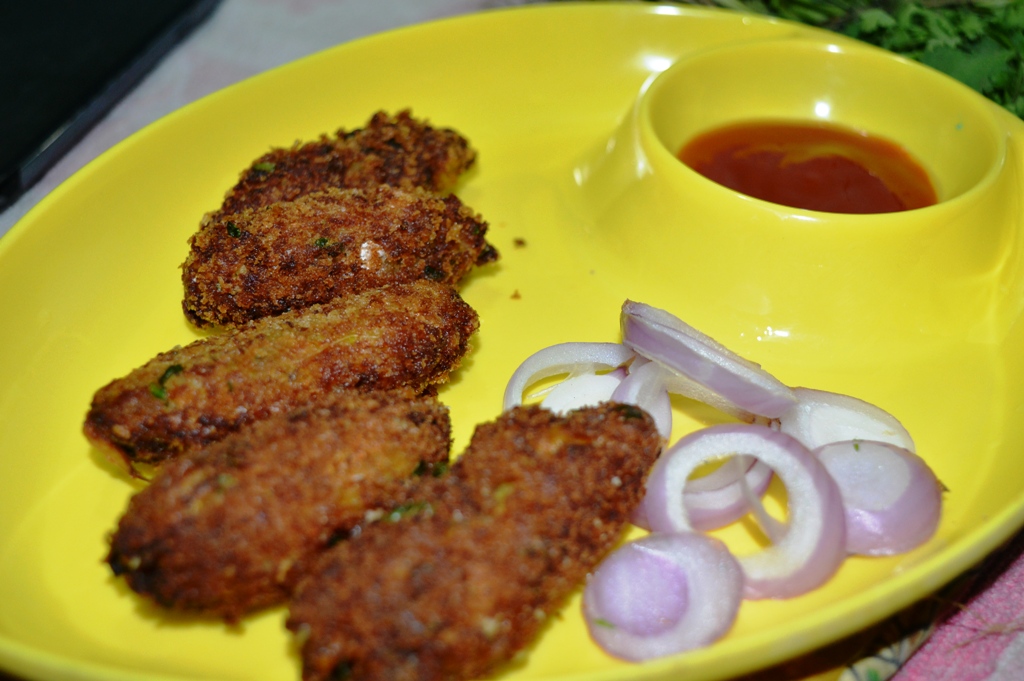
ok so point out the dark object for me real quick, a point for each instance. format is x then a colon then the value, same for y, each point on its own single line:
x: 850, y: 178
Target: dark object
x: 65, y: 63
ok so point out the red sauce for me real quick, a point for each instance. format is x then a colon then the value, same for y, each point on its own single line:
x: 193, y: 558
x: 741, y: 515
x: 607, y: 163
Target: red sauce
x: 813, y: 166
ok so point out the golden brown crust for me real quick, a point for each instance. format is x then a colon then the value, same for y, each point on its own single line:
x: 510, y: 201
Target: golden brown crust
x: 397, y: 150
x: 230, y: 529
x: 404, y: 335
x: 455, y: 591
x: 324, y: 245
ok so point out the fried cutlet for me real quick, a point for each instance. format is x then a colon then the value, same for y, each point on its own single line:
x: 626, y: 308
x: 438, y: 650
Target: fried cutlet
x: 324, y: 245
x: 456, y: 590
x: 398, y: 150
x: 229, y: 529
x: 406, y: 335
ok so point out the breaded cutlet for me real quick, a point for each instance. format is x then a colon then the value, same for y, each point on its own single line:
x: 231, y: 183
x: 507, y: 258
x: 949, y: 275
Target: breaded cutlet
x: 231, y: 528
x: 327, y: 244
x: 398, y: 150
x: 406, y: 335
x: 493, y: 550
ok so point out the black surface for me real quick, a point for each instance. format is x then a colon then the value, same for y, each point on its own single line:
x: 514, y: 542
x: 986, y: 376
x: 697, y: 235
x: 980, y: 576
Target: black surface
x: 65, y: 63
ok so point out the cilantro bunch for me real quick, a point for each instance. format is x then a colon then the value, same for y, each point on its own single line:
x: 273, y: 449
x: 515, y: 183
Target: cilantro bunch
x: 978, y: 42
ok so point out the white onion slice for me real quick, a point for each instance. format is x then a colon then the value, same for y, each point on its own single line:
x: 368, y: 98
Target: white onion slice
x: 664, y: 338
x: 644, y: 386
x: 663, y: 594
x: 584, y: 390
x: 813, y: 545
x: 717, y: 499
x: 892, y: 498
x: 572, y: 358
x: 821, y: 417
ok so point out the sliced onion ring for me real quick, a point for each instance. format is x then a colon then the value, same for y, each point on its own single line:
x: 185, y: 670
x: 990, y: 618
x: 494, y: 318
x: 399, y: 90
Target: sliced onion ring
x: 560, y: 359
x: 821, y: 417
x: 644, y: 386
x: 713, y: 508
x: 663, y: 594
x: 814, y: 543
x: 892, y: 498
x: 678, y: 384
x: 717, y: 499
x: 664, y: 338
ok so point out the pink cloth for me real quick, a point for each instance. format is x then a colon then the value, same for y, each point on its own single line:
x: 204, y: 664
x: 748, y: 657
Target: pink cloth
x: 981, y: 637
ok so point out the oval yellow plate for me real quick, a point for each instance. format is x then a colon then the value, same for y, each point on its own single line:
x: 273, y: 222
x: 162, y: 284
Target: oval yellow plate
x: 90, y: 288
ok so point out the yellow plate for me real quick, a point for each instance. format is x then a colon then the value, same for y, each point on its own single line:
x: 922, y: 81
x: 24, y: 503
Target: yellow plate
x: 90, y: 288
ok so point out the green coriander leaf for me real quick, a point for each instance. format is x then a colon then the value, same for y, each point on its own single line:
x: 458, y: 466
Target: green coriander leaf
x: 979, y: 69
x: 629, y: 412
x: 172, y: 370
x: 159, y: 389
x: 954, y: 36
x: 1013, y: 16
x: 755, y: 6
x: 409, y: 509
x: 972, y: 26
x: 941, y: 31
x: 226, y: 481
x: 1016, y: 106
x: 875, y: 19
x: 502, y: 491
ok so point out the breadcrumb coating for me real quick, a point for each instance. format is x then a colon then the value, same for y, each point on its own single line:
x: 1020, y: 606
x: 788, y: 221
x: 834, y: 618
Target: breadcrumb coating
x: 230, y: 529
x: 327, y: 244
x: 406, y: 335
x: 460, y: 587
x: 398, y: 150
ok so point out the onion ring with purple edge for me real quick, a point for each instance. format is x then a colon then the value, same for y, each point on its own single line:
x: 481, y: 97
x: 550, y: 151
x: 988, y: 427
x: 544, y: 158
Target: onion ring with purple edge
x: 572, y: 358
x: 813, y: 545
x: 664, y: 338
x: 821, y: 417
x: 713, y: 508
x: 717, y: 499
x: 663, y: 594
x: 644, y: 386
x: 892, y: 498
x: 678, y: 384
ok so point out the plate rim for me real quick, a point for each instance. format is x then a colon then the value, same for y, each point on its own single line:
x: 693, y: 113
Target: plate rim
x: 986, y: 538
